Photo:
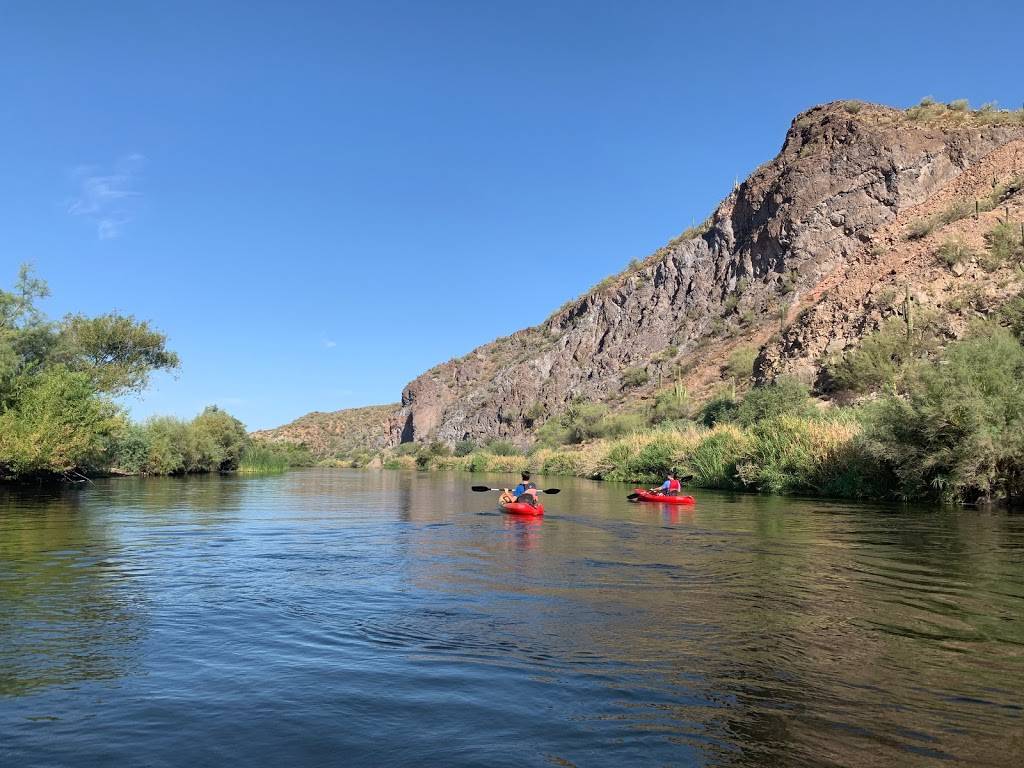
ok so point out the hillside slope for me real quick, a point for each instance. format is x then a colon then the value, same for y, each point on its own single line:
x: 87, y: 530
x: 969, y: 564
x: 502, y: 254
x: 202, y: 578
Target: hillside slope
x: 814, y: 243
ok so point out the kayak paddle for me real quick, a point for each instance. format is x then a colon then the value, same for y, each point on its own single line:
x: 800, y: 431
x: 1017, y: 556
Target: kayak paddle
x: 483, y: 488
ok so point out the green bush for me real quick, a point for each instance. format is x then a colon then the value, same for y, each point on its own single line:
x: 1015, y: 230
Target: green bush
x: 740, y: 365
x: 1005, y: 244
x: 671, y: 404
x: 1012, y: 314
x: 785, y: 395
x: 634, y: 377
x: 501, y: 448
x: 720, y: 409
x: 464, y: 447
x: 959, y: 433
x: 793, y: 455
x: 57, y: 425
x: 884, y: 358
x: 953, y: 252
x: 479, y: 462
x: 562, y: 464
x: 223, y: 439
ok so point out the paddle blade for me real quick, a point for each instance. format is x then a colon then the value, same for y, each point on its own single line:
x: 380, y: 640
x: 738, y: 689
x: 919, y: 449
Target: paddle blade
x: 633, y: 497
x: 552, y: 491
x: 481, y: 488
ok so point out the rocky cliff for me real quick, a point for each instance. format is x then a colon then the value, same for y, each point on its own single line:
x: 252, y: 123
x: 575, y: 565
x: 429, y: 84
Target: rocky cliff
x: 795, y: 261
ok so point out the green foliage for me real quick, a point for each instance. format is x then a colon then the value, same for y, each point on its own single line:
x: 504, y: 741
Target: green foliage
x: 562, y: 464
x: 959, y: 433
x: 55, y: 383
x: 792, y: 455
x: 464, y: 447
x: 1012, y: 314
x: 223, y: 438
x: 634, y: 377
x: 713, y: 462
x: 720, y: 409
x: 884, y: 359
x: 671, y: 404
x: 57, y: 425
x: 427, y: 454
x: 1005, y: 243
x: 650, y: 464
x: 740, y: 365
x: 785, y: 395
x: 501, y: 448
x: 534, y: 413
x: 263, y: 459
x: 953, y: 252
x: 923, y: 227
x: 117, y: 352
x: 584, y: 421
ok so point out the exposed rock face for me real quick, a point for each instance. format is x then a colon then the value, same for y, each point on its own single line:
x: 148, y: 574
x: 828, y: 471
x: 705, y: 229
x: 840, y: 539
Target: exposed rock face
x: 814, y: 243
x: 840, y: 178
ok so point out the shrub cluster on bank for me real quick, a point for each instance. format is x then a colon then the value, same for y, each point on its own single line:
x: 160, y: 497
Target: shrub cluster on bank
x: 59, y: 381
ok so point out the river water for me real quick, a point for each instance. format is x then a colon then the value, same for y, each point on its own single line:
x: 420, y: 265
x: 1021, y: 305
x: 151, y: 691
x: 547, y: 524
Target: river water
x: 331, y: 617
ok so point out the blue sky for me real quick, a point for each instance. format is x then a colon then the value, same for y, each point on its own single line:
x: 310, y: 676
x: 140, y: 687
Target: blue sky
x: 318, y: 201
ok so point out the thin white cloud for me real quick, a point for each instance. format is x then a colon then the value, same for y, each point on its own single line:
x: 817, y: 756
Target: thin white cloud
x: 107, y: 199
x: 329, y: 343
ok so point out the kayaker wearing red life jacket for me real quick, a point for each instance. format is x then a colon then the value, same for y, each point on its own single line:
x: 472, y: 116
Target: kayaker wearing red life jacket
x: 671, y: 487
x: 525, y: 492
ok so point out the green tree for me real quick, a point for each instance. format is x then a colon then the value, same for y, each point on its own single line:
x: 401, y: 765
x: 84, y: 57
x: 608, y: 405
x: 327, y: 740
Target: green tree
x: 224, y: 436
x: 57, y: 425
x: 118, y: 352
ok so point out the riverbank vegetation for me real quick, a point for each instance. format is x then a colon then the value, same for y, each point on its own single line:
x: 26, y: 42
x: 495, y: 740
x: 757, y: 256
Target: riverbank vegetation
x: 59, y: 414
x: 930, y: 420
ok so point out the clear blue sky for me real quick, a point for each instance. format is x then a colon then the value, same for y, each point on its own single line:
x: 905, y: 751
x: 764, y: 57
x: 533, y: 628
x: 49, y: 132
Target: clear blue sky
x: 318, y: 201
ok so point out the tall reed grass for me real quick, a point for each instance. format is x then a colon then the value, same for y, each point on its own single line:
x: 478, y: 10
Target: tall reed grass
x: 262, y: 460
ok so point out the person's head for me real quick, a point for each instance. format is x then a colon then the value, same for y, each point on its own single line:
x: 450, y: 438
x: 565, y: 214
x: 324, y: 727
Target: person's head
x: 671, y: 475
x: 526, y: 476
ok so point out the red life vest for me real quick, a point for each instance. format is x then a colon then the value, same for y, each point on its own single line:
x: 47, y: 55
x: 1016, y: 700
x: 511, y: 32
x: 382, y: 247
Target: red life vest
x: 674, y: 485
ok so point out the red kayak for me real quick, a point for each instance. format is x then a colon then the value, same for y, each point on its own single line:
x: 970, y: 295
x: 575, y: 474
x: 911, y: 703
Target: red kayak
x: 519, y: 508
x: 661, y: 498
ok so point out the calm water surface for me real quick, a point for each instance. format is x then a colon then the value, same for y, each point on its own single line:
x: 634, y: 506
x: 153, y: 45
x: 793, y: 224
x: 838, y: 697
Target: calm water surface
x: 329, y: 617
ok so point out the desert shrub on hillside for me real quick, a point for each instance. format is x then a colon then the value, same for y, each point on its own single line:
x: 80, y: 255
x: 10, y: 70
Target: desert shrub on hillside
x: 671, y: 404
x: 740, y: 365
x: 883, y: 358
x: 1005, y: 243
x: 953, y: 252
x: 634, y: 377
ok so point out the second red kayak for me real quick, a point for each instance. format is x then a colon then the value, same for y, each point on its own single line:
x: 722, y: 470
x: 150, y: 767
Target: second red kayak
x: 518, y: 508
x: 661, y: 498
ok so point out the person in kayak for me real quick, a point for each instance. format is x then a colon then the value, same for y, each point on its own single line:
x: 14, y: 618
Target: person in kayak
x: 671, y: 486
x: 524, y: 493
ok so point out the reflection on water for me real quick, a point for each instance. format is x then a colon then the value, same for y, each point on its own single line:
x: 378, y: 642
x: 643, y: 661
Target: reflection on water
x: 398, y: 619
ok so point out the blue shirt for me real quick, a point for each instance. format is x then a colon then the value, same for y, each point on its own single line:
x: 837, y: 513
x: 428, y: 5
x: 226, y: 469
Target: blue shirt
x: 521, y: 489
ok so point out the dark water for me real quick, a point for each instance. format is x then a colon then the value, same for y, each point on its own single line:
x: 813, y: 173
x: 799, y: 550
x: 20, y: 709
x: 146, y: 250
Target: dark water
x: 344, y: 618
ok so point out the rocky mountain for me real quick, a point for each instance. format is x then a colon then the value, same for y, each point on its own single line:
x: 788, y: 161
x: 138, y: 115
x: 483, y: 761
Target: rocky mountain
x: 801, y: 260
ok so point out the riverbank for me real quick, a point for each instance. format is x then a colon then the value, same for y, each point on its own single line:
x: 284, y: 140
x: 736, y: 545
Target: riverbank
x: 784, y: 455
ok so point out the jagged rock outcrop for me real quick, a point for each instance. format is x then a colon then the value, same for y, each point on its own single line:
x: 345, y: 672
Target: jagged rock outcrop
x: 813, y: 243
x: 843, y: 174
